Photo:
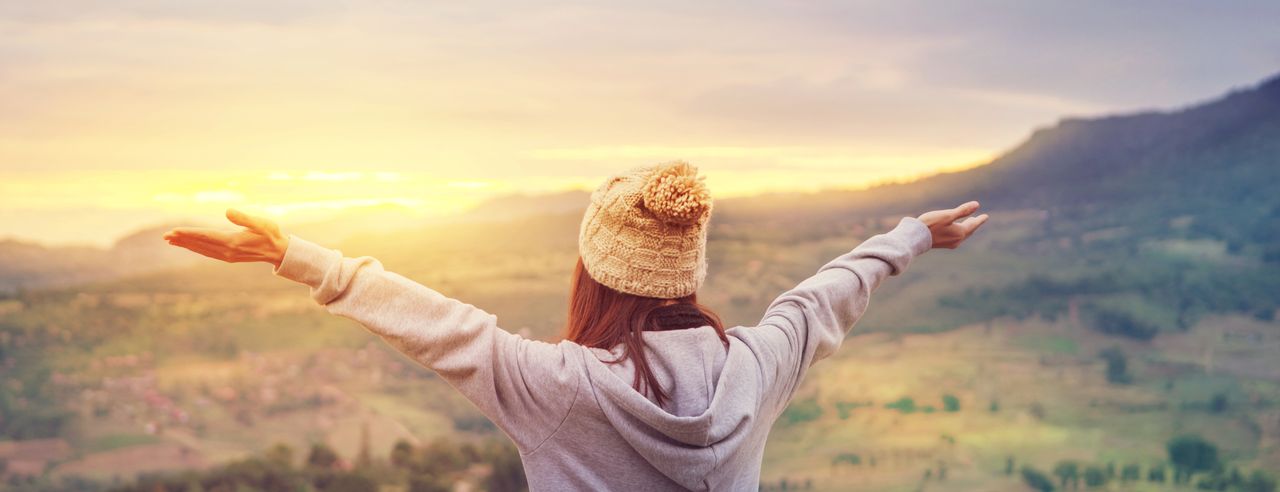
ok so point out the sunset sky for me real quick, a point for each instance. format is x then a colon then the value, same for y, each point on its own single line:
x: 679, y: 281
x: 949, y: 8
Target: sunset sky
x: 120, y: 115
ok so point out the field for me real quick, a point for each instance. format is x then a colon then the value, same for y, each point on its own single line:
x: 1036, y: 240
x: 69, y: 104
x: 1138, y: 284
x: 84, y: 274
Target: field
x: 1019, y: 396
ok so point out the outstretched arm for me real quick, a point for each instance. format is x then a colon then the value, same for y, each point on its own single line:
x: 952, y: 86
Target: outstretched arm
x: 524, y: 386
x: 809, y: 322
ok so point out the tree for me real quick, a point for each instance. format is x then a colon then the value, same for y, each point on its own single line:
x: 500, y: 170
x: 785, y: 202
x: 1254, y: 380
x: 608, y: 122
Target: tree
x: 1095, y: 476
x: 801, y: 411
x: 1156, y: 474
x: 1130, y: 473
x: 280, y: 455
x: 1259, y: 482
x: 438, y: 458
x: 1236, y: 479
x: 1036, y: 479
x: 322, y: 456
x: 1117, y: 322
x: 1191, y: 454
x: 1067, y: 471
x: 401, y: 454
x: 1117, y: 366
x: 905, y: 405
x: 950, y: 403
x: 1218, y: 480
x: 1219, y: 403
x: 847, y: 458
x: 252, y: 474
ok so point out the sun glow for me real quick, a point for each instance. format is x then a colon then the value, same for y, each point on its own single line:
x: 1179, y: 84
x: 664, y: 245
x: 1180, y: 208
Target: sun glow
x: 95, y: 207
x: 112, y: 126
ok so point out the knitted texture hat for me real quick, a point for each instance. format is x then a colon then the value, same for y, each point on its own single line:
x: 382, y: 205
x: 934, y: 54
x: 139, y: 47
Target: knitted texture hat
x: 645, y: 231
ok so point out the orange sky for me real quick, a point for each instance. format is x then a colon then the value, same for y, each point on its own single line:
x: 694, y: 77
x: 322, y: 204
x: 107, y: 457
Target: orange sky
x: 114, y: 118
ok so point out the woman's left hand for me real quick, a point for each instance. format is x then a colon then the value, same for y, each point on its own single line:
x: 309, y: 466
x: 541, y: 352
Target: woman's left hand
x: 259, y: 240
x: 950, y: 227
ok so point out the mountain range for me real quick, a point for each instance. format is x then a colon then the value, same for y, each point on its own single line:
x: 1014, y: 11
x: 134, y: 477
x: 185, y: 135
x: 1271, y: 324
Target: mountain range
x: 1226, y: 150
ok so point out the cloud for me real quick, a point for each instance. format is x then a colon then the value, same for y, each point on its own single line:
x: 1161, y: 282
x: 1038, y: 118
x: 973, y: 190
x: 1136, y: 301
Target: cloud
x: 1120, y: 56
x: 849, y: 109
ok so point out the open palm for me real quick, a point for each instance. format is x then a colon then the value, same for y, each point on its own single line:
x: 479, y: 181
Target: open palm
x: 260, y: 239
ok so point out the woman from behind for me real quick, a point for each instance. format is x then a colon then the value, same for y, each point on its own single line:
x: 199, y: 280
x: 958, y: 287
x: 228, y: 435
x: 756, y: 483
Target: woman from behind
x: 648, y: 389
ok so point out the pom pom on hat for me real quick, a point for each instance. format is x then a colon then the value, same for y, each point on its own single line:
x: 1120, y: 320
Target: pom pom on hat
x: 676, y: 195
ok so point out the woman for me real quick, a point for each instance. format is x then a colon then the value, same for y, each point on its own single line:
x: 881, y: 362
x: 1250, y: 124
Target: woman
x: 648, y: 390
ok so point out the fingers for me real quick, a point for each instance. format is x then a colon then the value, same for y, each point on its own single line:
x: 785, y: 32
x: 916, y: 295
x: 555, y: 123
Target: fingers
x: 185, y: 241
x: 258, y: 224
x: 962, y: 211
x: 216, y: 250
x: 212, y: 235
x: 973, y: 224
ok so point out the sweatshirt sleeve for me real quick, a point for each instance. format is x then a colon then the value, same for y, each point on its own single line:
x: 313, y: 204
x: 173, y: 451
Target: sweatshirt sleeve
x: 525, y: 387
x: 809, y: 322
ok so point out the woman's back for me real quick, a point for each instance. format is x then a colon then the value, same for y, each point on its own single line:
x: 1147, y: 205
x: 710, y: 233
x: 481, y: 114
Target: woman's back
x: 711, y: 432
x: 705, y: 436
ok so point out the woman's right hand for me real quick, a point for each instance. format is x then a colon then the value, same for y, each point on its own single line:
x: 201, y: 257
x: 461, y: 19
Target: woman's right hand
x: 950, y: 227
x: 259, y: 240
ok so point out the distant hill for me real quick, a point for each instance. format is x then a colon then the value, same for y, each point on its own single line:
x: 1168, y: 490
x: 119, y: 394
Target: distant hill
x: 30, y: 265
x: 25, y: 265
x: 517, y: 206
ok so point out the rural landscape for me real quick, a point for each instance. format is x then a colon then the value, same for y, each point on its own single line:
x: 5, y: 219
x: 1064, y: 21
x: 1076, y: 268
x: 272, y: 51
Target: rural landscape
x: 1114, y: 327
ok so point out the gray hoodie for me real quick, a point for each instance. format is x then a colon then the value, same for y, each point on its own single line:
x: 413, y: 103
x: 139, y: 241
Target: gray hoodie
x: 578, y: 423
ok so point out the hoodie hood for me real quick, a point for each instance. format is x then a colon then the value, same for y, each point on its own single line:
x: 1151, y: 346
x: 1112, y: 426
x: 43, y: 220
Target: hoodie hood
x: 707, y: 415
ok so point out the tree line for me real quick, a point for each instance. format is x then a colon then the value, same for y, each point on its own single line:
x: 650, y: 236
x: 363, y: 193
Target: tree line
x: 1192, y: 461
x: 491, y: 465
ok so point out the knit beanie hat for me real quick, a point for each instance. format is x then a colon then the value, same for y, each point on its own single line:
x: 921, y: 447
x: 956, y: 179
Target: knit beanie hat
x: 645, y: 231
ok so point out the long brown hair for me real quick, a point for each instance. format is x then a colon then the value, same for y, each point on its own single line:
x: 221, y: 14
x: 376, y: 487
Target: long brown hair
x: 600, y: 317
